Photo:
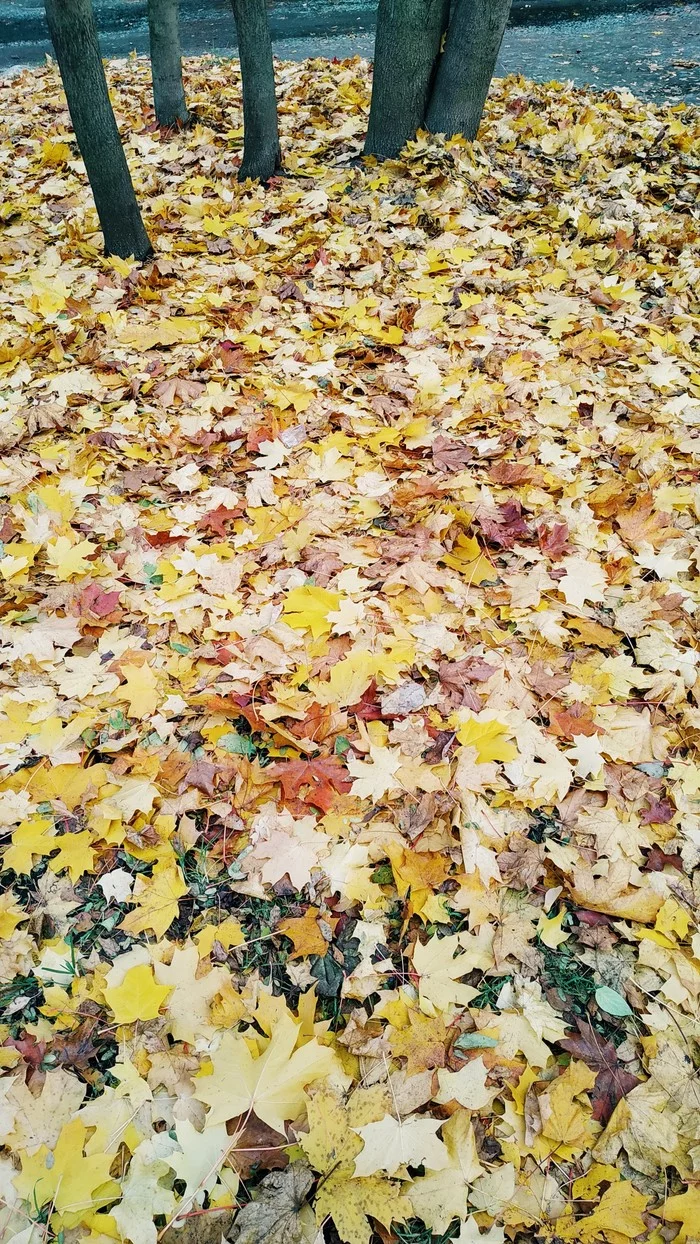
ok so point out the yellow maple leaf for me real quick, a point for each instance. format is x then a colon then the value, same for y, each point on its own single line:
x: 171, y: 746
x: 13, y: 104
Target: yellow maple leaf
x: 56, y: 500
x: 216, y: 225
x: 440, y: 1196
x: 304, y: 933
x: 71, y: 784
x: 29, y: 1120
x: 439, y: 971
x: 418, y: 873
x: 550, y: 929
x: 331, y: 1147
x: 76, y: 854
x: 164, y: 332
x: 348, y: 679
x: 157, y: 900
x: 137, y: 997
x: 392, y: 1143
x: 140, y: 690
x: 685, y: 1209
x: 229, y: 933
x: 617, y: 1218
x: 68, y: 558
x: 566, y: 1121
x: 612, y: 894
x: 489, y: 738
x: 10, y: 914
x: 307, y: 608
x: 19, y: 560
x: 54, y: 153
x: 36, y: 836
x: 466, y: 1086
x: 271, y: 1085
x: 673, y: 920
x: 422, y: 1042
x: 189, y: 1002
x: 467, y: 558
x: 586, y: 1186
x: 376, y: 777
x: 76, y: 1184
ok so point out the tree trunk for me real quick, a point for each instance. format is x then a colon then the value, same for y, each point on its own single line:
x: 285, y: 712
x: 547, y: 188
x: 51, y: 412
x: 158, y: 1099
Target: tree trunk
x: 74, y: 36
x: 406, y: 47
x: 261, y: 144
x: 166, y: 62
x: 466, y: 66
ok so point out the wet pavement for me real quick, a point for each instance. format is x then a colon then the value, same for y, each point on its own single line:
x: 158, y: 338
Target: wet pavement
x: 651, y: 48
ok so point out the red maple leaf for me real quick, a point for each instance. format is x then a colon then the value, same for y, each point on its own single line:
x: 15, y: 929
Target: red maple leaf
x: 508, y: 528
x: 657, y: 860
x: 659, y: 812
x: 554, y: 540
x: 234, y: 360
x: 98, y: 602
x: 367, y: 708
x: 258, y: 435
x: 510, y: 473
x: 450, y: 455
x: 32, y: 1051
x: 161, y: 539
x: 576, y: 719
x: 612, y: 1082
x: 214, y: 520
x: 201, y: 774
x: 319, y: 780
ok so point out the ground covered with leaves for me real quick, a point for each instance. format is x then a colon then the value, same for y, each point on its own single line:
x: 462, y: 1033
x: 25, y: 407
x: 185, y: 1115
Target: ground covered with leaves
x: 350, y: 793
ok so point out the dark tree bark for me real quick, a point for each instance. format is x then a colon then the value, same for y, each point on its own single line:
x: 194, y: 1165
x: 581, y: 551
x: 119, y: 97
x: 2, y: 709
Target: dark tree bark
x: 261, y: 144
x: 406, y: 49
x: 166, y: 62
x: 466, y: 66
x: 74, y: 36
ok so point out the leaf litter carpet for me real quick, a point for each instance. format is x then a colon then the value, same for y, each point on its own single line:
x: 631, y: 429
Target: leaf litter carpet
x: 349, y: 727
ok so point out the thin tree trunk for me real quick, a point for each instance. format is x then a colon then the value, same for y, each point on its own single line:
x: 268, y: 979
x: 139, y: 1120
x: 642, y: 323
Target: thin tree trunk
x: 466, y: 66
x: 166, y: 62
x: 406, y: 47
x: 74, y: 36
x: 261, y: 144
